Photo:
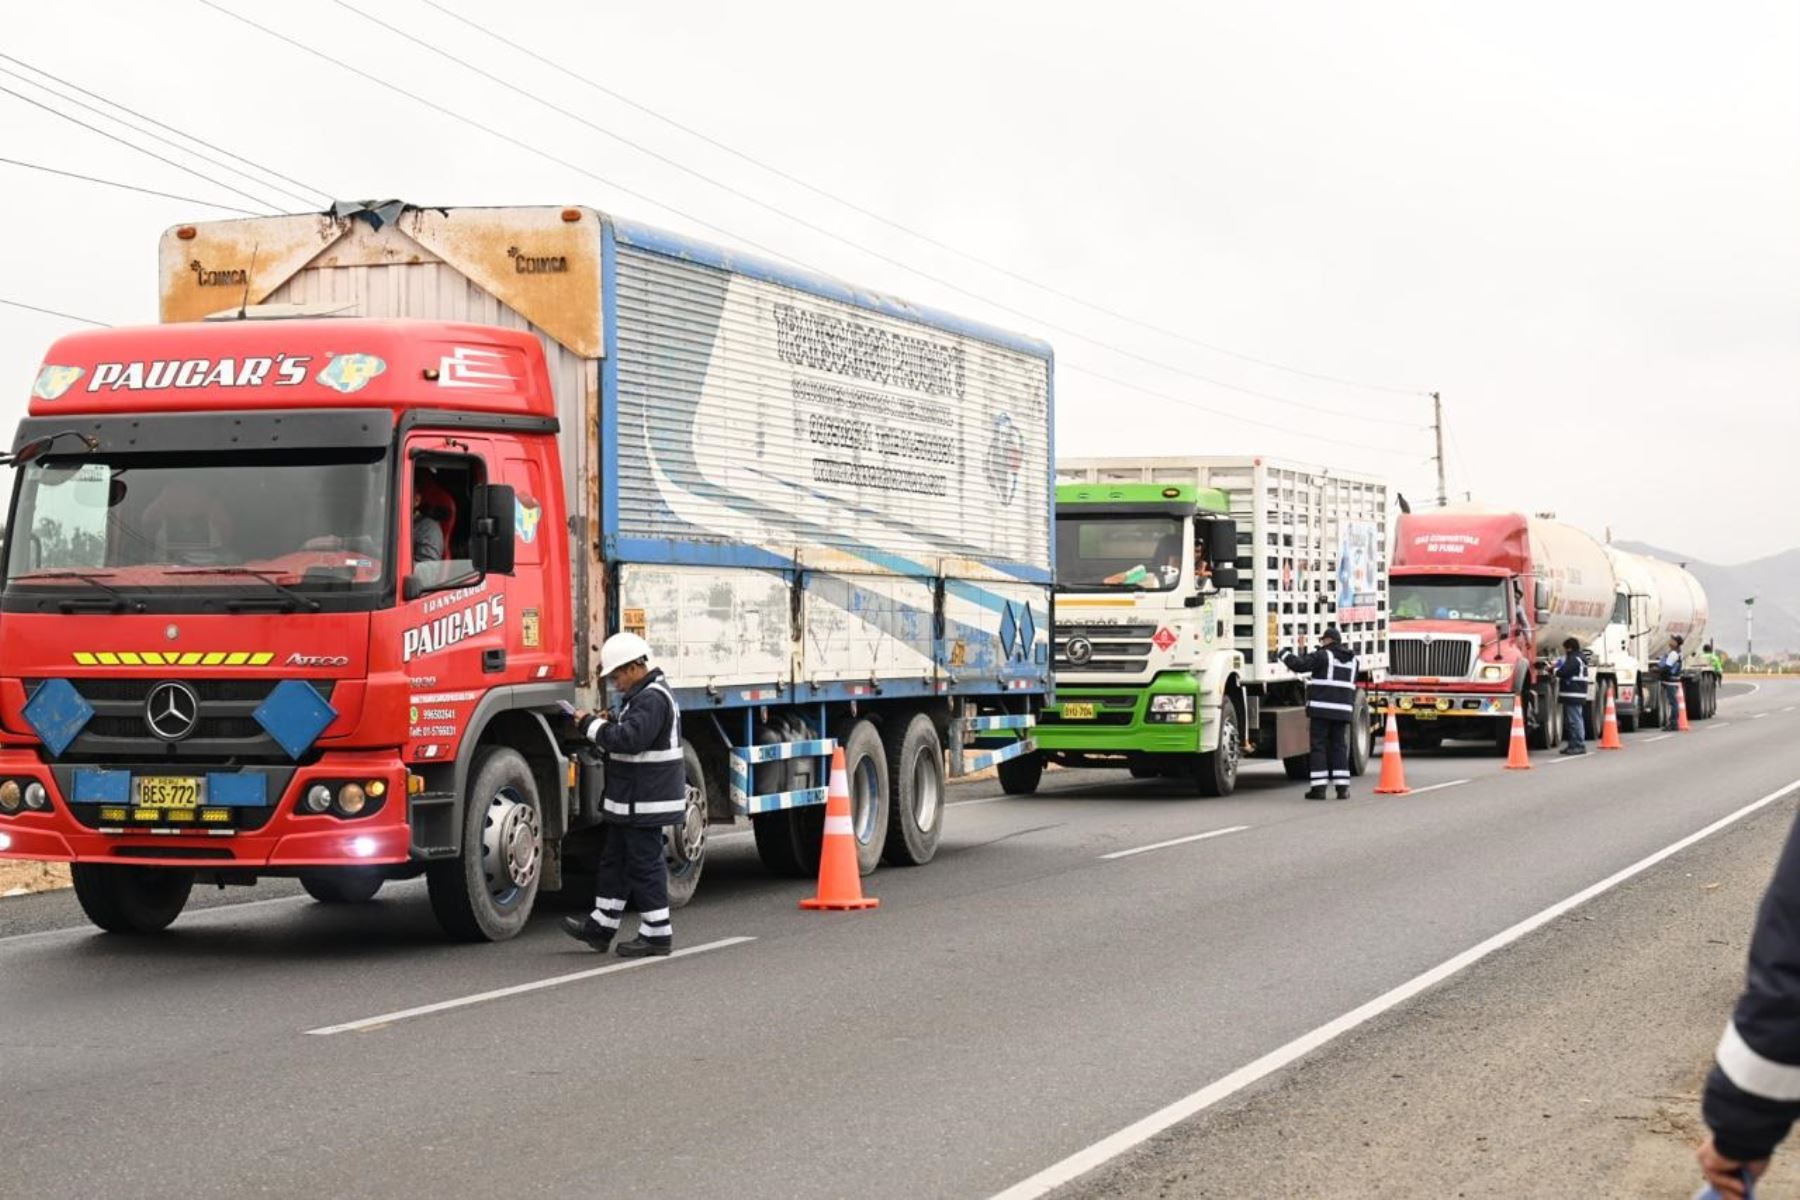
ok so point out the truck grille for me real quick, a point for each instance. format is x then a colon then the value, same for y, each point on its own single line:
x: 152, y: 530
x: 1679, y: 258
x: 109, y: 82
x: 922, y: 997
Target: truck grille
x: 226, y: 730
x: 1438, y: 658
x: 1116, y: 649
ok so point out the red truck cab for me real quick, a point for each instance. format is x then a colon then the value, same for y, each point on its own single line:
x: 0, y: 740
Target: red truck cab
x: 1460, y: 641
x: 225, y: 653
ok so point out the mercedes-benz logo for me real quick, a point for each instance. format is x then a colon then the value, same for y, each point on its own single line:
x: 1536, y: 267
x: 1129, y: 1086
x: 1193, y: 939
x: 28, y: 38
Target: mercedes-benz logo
x: 171, y: 710
x: 1079, y: 651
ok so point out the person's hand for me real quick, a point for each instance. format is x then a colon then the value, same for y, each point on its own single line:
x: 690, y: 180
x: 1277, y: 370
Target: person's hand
x: 1726, y: 1174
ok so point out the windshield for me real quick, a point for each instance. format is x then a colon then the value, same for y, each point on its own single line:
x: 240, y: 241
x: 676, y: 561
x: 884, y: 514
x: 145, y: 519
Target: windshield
x: 1449, y: 599
x: 1119, y: 552
x: 302, y: 519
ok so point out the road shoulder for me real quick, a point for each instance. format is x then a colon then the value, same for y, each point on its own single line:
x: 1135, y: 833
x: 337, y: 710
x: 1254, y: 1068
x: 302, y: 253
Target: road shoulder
x: 1566, y: 1065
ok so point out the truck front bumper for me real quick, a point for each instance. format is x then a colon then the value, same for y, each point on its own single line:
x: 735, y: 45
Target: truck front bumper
x: 1116, y: 723
x: 100, y: 823
x: 1430, y: 704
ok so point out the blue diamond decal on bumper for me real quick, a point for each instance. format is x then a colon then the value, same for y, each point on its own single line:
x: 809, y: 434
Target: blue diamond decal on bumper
x: 59, y: 713
x: 295, y: 715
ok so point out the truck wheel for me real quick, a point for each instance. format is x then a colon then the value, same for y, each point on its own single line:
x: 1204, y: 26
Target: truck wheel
x: 131, y: 899
x: 778, y: 844
x: 1360, y: 736
x: 1628, y: 713
x: 684, y: 845
x: 866, y: 767
x: 342, y: 887
x: 1546, y: 732
x: 1298, y: 767
x: 916, y: 803
x: 1217, y: 772
x: 1020, y: 776
x: 485, y: 894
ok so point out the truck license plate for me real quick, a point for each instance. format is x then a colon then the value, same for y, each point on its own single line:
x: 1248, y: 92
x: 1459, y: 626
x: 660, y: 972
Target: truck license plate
x: 1078, y: 712
x: 167, y: 791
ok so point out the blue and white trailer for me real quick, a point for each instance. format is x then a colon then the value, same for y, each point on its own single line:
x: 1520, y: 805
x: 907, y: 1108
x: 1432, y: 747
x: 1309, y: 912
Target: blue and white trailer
x: 829, y: 511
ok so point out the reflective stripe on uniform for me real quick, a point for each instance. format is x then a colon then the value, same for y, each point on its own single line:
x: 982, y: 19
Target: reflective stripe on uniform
x: 1755, y: 1074
x: 643, y: 806
x: 1332, y: 706
x: 648, y: 756
x: 655, y: 931
x: 654, y: 915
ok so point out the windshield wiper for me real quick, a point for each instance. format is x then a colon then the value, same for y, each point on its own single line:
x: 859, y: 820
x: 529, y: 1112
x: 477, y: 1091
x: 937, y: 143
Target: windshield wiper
x: 306, y: 602
x: 119, y: 601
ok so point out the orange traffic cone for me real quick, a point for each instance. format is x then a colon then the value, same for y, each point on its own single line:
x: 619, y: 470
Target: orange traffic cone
x: 840, y: 883
x: 1393, y: 772
x: 1518, y: 755
x: 1609, y: 728
x: 1681, y: 707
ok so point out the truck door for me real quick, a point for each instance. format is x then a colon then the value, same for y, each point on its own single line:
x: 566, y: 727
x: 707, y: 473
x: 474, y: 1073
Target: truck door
x: 456, y: 630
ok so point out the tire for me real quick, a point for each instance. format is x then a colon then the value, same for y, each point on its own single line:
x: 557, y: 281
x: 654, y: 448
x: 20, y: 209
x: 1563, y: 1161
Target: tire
x: 866, y: 767
x: 131, y: 900
x: 1503, y: 733
x: 780, y: 845
x: 1217, y: 772
x: 1546, y: 732
x: 684, y: 845
x: 342, y: 887
x: 1361, y: 735
x: 916, y: 800
x: 486, y: 893
x: 1628, y: 714
x: 1139, y: 771
x: 1021, y: 776
x: 1298, y: 767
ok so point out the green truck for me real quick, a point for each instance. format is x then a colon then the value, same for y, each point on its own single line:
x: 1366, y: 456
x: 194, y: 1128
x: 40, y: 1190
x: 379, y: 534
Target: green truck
x: 1178, y: 583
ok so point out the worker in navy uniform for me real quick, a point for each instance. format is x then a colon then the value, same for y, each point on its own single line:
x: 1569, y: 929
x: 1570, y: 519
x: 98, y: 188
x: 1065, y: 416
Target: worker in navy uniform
x: 1753, y: 1094
x: 1572, y: 677
x: 646, y: 790
x: 1330, y: 702
x: 1669, y: 667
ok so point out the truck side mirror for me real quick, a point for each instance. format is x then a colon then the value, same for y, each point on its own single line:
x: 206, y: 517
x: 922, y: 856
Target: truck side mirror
x: 1225, y: 576
x: 1221, y: 544
x: 1543, y: 616
x: 491, y: 533
x: 1541, y: 591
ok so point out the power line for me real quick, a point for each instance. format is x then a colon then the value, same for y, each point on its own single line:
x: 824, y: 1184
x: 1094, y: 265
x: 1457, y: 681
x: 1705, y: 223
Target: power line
x: 852, y: 205
x: 104, y: 115
x: 801, y: 221
x: 51, y: 312
x: 134, y: 146
x: 130, y: 187
x: 1289, y: 430
x: 180, y: 132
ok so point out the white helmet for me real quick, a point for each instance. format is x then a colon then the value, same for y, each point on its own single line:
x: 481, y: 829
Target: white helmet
x: 622, y: 649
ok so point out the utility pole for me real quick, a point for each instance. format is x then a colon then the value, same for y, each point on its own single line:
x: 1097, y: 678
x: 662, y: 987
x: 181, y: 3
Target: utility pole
x: 1437, y: 425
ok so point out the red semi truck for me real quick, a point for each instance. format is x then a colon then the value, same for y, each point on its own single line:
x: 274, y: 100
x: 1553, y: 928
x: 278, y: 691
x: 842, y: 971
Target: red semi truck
x: 222, y: 656
x: 1481, y: 603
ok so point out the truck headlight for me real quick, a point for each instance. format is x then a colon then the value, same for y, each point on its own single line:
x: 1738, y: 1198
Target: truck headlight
x: 318, y: 798
x: 1493, y: 673
x: 1171, y: 710
x: 36, y: 798
x: 11, y: 796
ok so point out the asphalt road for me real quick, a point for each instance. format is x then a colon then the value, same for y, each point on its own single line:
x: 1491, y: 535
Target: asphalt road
x: 1018, y: 1001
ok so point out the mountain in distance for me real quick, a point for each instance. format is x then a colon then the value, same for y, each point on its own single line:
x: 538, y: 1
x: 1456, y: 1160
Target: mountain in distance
x: 1774, y: 581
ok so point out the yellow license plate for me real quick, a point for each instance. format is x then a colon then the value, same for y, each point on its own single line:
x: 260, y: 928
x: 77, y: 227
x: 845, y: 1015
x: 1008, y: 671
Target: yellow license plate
x: 167, y: 791
x: 1424, y: 714
x: 1078, y: 712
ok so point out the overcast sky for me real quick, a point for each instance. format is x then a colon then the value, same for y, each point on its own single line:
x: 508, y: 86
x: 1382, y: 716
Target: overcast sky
x: 1579, y: 222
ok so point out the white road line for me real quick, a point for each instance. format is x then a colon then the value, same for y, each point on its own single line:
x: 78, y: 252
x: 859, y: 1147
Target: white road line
x: 1135, y: 1134
x: 1758, y: 716
x: 425, y: 1010
x: 1790, y: 708
x: 1437, y: 787
x: 1560, y: 759
x: 1180, y: 841
x: 1661, y: 737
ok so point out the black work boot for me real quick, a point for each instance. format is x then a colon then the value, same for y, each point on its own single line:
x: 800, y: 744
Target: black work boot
x: 1343, y: 792
x: 641, y: 947
x: 586, y: 929
x: 1316, y: 793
